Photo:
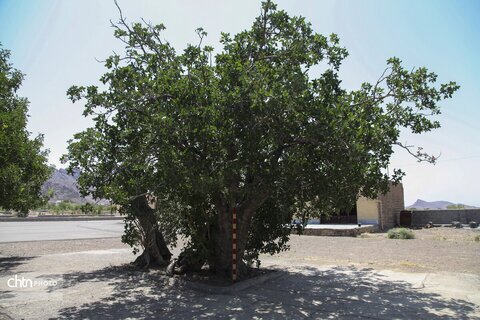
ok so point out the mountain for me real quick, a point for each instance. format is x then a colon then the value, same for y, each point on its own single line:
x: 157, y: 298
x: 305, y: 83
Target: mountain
x: 423, y: 205
x: 64, y: 187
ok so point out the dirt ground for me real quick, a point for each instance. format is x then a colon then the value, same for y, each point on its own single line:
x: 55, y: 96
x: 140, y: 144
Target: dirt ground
x: 435, y: 275
x: 436, y: 249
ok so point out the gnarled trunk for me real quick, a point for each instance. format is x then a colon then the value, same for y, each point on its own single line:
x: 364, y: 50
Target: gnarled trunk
x: 221, y: 260
x: 155, y: 251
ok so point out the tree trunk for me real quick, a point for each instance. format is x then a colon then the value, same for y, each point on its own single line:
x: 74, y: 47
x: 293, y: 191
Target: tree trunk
x: 155, y: 249
x: 221, y: 261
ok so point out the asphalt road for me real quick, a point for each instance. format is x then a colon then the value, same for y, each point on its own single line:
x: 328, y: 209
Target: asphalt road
x: 59, y: 230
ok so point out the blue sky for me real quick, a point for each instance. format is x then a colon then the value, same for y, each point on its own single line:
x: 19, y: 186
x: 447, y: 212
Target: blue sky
x: 56, y: 44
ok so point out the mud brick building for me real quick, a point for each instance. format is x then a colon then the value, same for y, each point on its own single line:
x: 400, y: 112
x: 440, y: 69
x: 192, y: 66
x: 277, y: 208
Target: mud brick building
x: 382, y: 212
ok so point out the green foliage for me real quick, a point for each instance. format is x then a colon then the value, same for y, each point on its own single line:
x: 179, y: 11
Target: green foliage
x: 62, y: 207
x: 252, y: 127
x: 95, y: 209
x: 477, y: 238
x: 456, y: 206
x: 400, y: 233
x: 131, y: 235
x: 23, y: 163
x: 68, y: 207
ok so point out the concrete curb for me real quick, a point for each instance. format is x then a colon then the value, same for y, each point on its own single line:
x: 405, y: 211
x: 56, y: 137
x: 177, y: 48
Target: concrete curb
x: 59, y: 218
x: 346, y: 232
x: 58, y: 240
x: 235, y: 288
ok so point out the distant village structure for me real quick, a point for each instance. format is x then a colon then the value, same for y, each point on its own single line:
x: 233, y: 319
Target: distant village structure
x: 383, y: 212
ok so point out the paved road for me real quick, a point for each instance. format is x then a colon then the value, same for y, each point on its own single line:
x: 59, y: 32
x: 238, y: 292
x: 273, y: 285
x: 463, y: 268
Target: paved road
x: 59, y: 230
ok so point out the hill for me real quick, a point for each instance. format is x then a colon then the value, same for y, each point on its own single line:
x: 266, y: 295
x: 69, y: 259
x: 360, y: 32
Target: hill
x: 437, y: 205
x: 64, y: 188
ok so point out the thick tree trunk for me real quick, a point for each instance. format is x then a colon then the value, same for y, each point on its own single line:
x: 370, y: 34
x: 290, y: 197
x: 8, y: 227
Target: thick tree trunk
x: 155, y: 249
x: 221, y: 260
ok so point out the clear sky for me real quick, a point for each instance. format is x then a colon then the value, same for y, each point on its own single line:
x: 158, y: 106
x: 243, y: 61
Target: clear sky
x: 56, y: 44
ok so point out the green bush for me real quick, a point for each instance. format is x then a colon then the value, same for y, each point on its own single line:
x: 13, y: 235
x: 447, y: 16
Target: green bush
x: 400, y: 233
x: 68, y: 207
x: 477, y: 238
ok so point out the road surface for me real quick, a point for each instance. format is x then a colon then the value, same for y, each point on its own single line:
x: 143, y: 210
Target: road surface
x: 59, y: 230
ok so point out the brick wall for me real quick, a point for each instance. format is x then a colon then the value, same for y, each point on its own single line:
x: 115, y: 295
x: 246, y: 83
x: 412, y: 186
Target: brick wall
x: 391, y: 204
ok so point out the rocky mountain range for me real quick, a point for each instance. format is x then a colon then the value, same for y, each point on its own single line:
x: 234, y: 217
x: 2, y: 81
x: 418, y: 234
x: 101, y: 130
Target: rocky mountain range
x: 437, y: 205
x: 64, y: 187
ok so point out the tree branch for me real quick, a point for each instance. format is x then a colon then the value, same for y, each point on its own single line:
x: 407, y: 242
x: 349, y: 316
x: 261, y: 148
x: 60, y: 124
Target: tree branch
x: 419, y: 155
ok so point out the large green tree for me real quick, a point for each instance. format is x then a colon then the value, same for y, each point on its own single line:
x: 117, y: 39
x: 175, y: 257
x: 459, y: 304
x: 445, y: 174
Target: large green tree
x: 254, y: 127
x: 23, y: 163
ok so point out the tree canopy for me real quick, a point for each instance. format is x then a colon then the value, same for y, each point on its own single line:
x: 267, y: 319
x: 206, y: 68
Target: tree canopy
x: 251, y: 127
x: 23, y: 163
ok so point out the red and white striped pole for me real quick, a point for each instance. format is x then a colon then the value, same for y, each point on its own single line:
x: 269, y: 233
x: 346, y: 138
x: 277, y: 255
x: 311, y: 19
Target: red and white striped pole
x: 234, y: 245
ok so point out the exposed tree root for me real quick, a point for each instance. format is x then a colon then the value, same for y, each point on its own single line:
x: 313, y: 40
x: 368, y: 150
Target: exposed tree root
x: 188, y: 261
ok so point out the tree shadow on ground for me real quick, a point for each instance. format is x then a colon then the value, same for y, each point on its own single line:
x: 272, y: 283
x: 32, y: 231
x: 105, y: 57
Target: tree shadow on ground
x: 7, y: 268
x: 340, y: 292
x: 4, y: 316
x: 7, y: 264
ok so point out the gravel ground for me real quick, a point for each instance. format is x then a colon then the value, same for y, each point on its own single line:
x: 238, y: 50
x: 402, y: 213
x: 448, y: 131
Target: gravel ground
x: 436, y: 249
x: 38, y: 248
x: 435, y: 275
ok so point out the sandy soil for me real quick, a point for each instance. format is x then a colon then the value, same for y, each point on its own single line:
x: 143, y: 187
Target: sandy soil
x: 435, y: 275
x: 38, y: 248
x: 436, y: 249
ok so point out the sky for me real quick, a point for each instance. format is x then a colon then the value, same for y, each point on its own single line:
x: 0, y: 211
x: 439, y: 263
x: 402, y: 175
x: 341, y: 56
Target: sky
x: 59, y: 43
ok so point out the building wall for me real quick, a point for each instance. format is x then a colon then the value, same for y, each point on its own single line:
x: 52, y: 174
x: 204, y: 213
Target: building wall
x: 421, y: 217
x: 367, y: 211
x: 391, y: 204
x: 383, y: 211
